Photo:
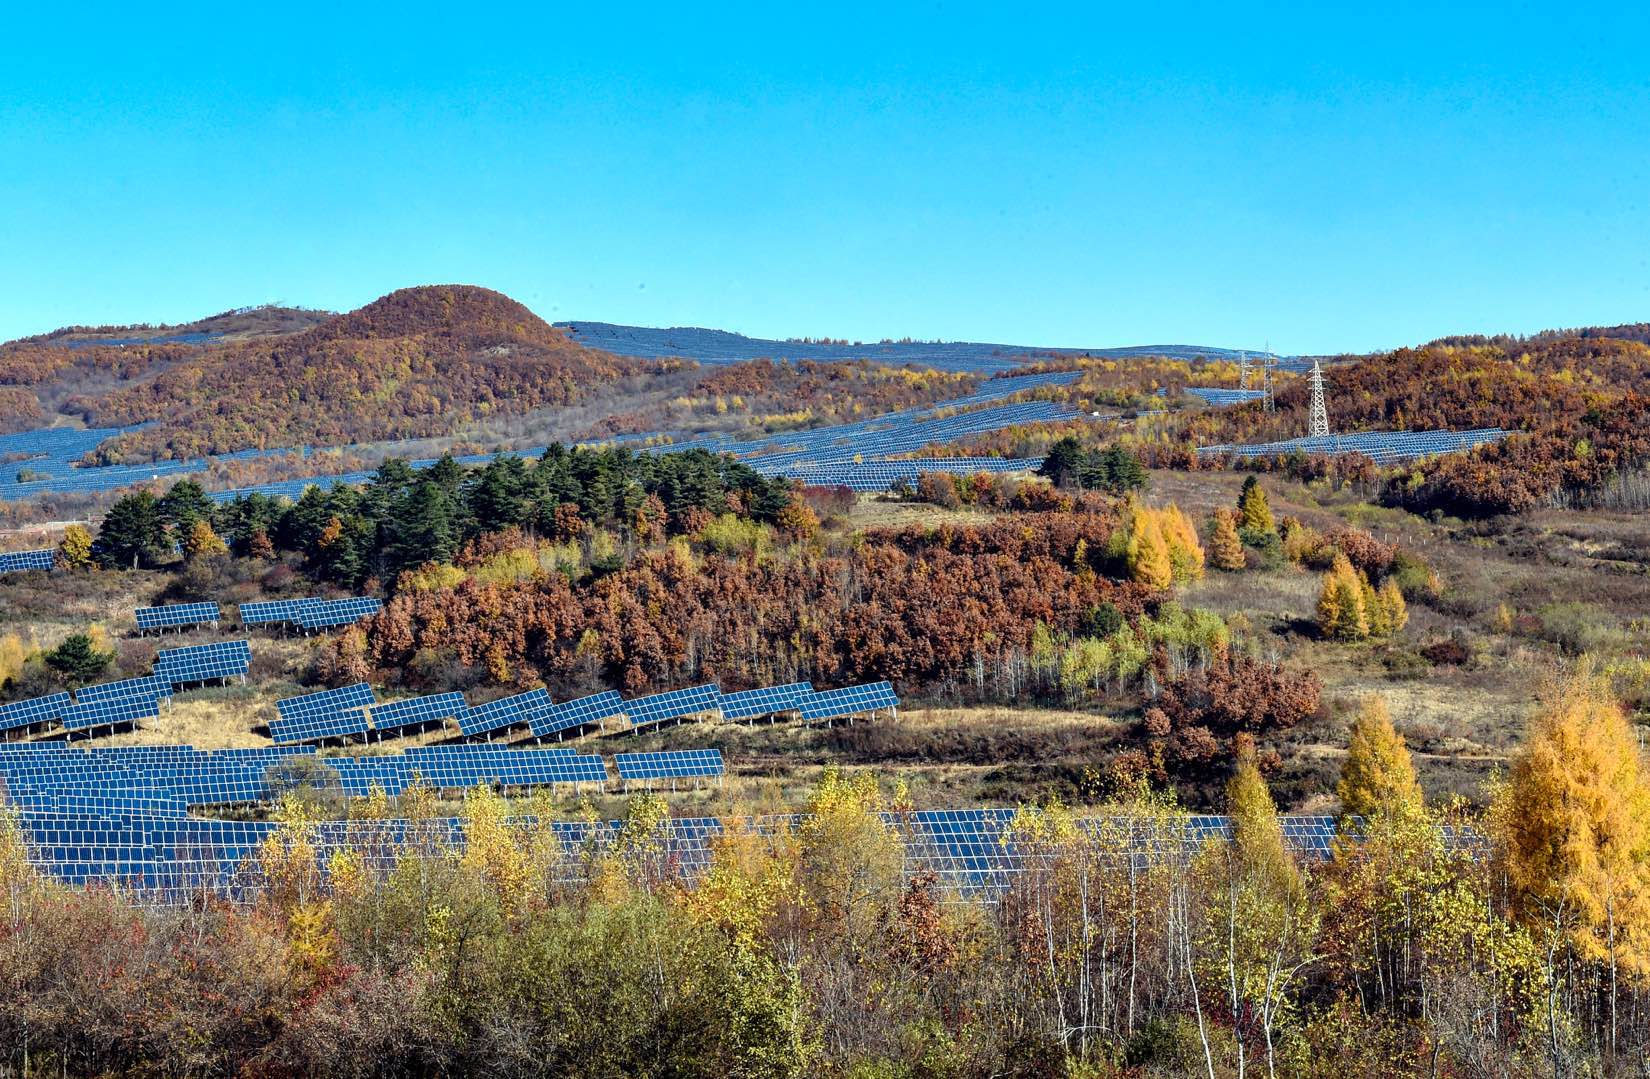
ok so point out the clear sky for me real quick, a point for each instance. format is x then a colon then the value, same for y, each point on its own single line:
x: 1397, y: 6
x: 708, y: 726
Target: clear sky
x: 1322, y: 176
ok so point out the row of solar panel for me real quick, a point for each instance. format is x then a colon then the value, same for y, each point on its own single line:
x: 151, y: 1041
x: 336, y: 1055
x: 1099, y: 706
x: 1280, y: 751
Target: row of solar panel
x: 978, y: 853
x: 110, y: 704
x: 353, y: 711
x: 309, y: 613
x: 175, y: 615
x: 67, y: 779
x: 1382, y: 447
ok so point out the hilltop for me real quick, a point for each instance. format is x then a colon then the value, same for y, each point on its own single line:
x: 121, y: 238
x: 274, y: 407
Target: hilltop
x: 416, y: 363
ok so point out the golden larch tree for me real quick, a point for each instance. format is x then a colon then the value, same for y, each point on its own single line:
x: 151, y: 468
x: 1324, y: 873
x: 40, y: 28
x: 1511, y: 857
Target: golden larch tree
x: 1225, y: 547
x: 1377, y: 776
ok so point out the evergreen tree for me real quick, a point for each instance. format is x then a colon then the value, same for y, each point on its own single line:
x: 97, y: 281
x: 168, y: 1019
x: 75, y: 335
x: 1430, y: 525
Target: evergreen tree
x: 1064, y: 461
x: 183, y: 505
x: 1121, y: 470
x: 422, y: 528
x: 1377, y: 776
x: 78, y: 659
x: 132, y: 534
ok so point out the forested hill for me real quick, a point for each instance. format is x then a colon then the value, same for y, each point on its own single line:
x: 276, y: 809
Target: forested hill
x: 720, y: 346
x: 416, y: 363
x: 263, y: 320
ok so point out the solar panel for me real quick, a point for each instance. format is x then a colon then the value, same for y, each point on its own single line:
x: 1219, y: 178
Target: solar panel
x: 315, y: 728
x: 849, y: 701
x: 268, y: 612
x: 177, y: 614
x: 674, y: 764
x: 676, y: 704
x: 575, y: 714
x: 17, y: 561
x: 325, y: 702
x: 752, y: 703
x: 148, y: 685
x: 203, y: 662
x: 326, y: 614
x: 32, y: 712
x: 417, y: 711
x: 110, y: 712
x: 506, y: 712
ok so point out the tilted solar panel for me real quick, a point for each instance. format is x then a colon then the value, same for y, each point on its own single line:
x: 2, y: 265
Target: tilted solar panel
x: 767, y: 701
x: 582, y: 712
x: 849, y: 701
x: 177, y: 614
x: 34, y: 711
x: 325, y: 702
x: 674, y: 764
x: 676, y: 704
x: 148, y: 685
x: 506, y: 712
x: 415, y: 711
x: 110, y: 712
x: 18, y: 561
x: 313, y: 728
x: 269, y: 612
x: 203, y: 662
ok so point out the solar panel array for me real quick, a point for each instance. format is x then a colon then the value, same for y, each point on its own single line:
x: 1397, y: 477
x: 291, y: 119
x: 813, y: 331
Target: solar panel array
x: 309, y: 613
x: 148, y: 685
x: 177, y: 614
x: 674, y: 764
x: 677, y: 704
x: 520, y: 710
x: 416, y: 711
x: 849, y: 701
x: 1382, y: 447
x: 577, y: 714
x: 18, y: 561
x: 109, y: 712
x: 203, y: 662
x: 767, y: 701
x: 33, y: 712
x: 1220, y: 397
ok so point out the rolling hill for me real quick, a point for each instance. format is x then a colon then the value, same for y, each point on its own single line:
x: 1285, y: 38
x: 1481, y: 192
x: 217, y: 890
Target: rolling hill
x: 415, y: 363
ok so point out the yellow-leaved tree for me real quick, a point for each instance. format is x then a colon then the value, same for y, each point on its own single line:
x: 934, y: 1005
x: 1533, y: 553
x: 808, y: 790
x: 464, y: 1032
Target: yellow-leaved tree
x: 1255, y: 510
x: 203, y: 542
x: 1572, y: 831
x: 1186, y: 555
x: 1259, y: 925
x: 1225, y: 546
x: 74, y: 551
x: 1377, y: 776
x: 1341, y: 612
x: 1148, y: 552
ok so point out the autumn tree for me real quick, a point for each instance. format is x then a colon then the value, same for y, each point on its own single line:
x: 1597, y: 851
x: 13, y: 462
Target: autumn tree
x: 1341, y: 614
x: 203, y: 542
x: 1377, y: 775
x: 1572, y: 825
x: 74, y: 551
x: 1254, y: 508
x: 1147, y: 551
x: 1225, y: 546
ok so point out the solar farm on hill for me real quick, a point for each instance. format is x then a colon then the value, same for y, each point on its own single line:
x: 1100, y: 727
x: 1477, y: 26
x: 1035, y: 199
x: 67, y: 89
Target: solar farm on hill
x: 871, y: 679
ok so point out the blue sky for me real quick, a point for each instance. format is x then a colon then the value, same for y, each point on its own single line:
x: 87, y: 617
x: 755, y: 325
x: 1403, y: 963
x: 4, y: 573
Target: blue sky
x: 1321, y: 177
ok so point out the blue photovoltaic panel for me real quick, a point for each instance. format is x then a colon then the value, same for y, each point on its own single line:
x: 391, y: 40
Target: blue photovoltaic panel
x: 325, y: 702
x: 750, y: 703
x: 12, y: 561
x: 269, y: 612
x: 1381, y: 447
x: 327, y: 613
x: 177, y: 614
x: 106, y: 713
x: 202, y: 662
x: 147, y: 686
x: 414, y: 711
x: 583, y: 712
x: 317, y: 727
x: 506, y: 712
x: 675, y: 764
x: 849, y: 701
x: 662, y: 707
x: 33, y: 711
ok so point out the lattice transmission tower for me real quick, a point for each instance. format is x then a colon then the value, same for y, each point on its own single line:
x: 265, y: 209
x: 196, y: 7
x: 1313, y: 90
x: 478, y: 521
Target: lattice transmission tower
x: 1320, y: 415
x: 1266, y: 362
x: 1243, y: 370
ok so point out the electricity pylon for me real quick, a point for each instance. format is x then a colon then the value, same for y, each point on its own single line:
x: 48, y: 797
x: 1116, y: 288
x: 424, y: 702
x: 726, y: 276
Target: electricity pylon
x: 1320, y: 415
